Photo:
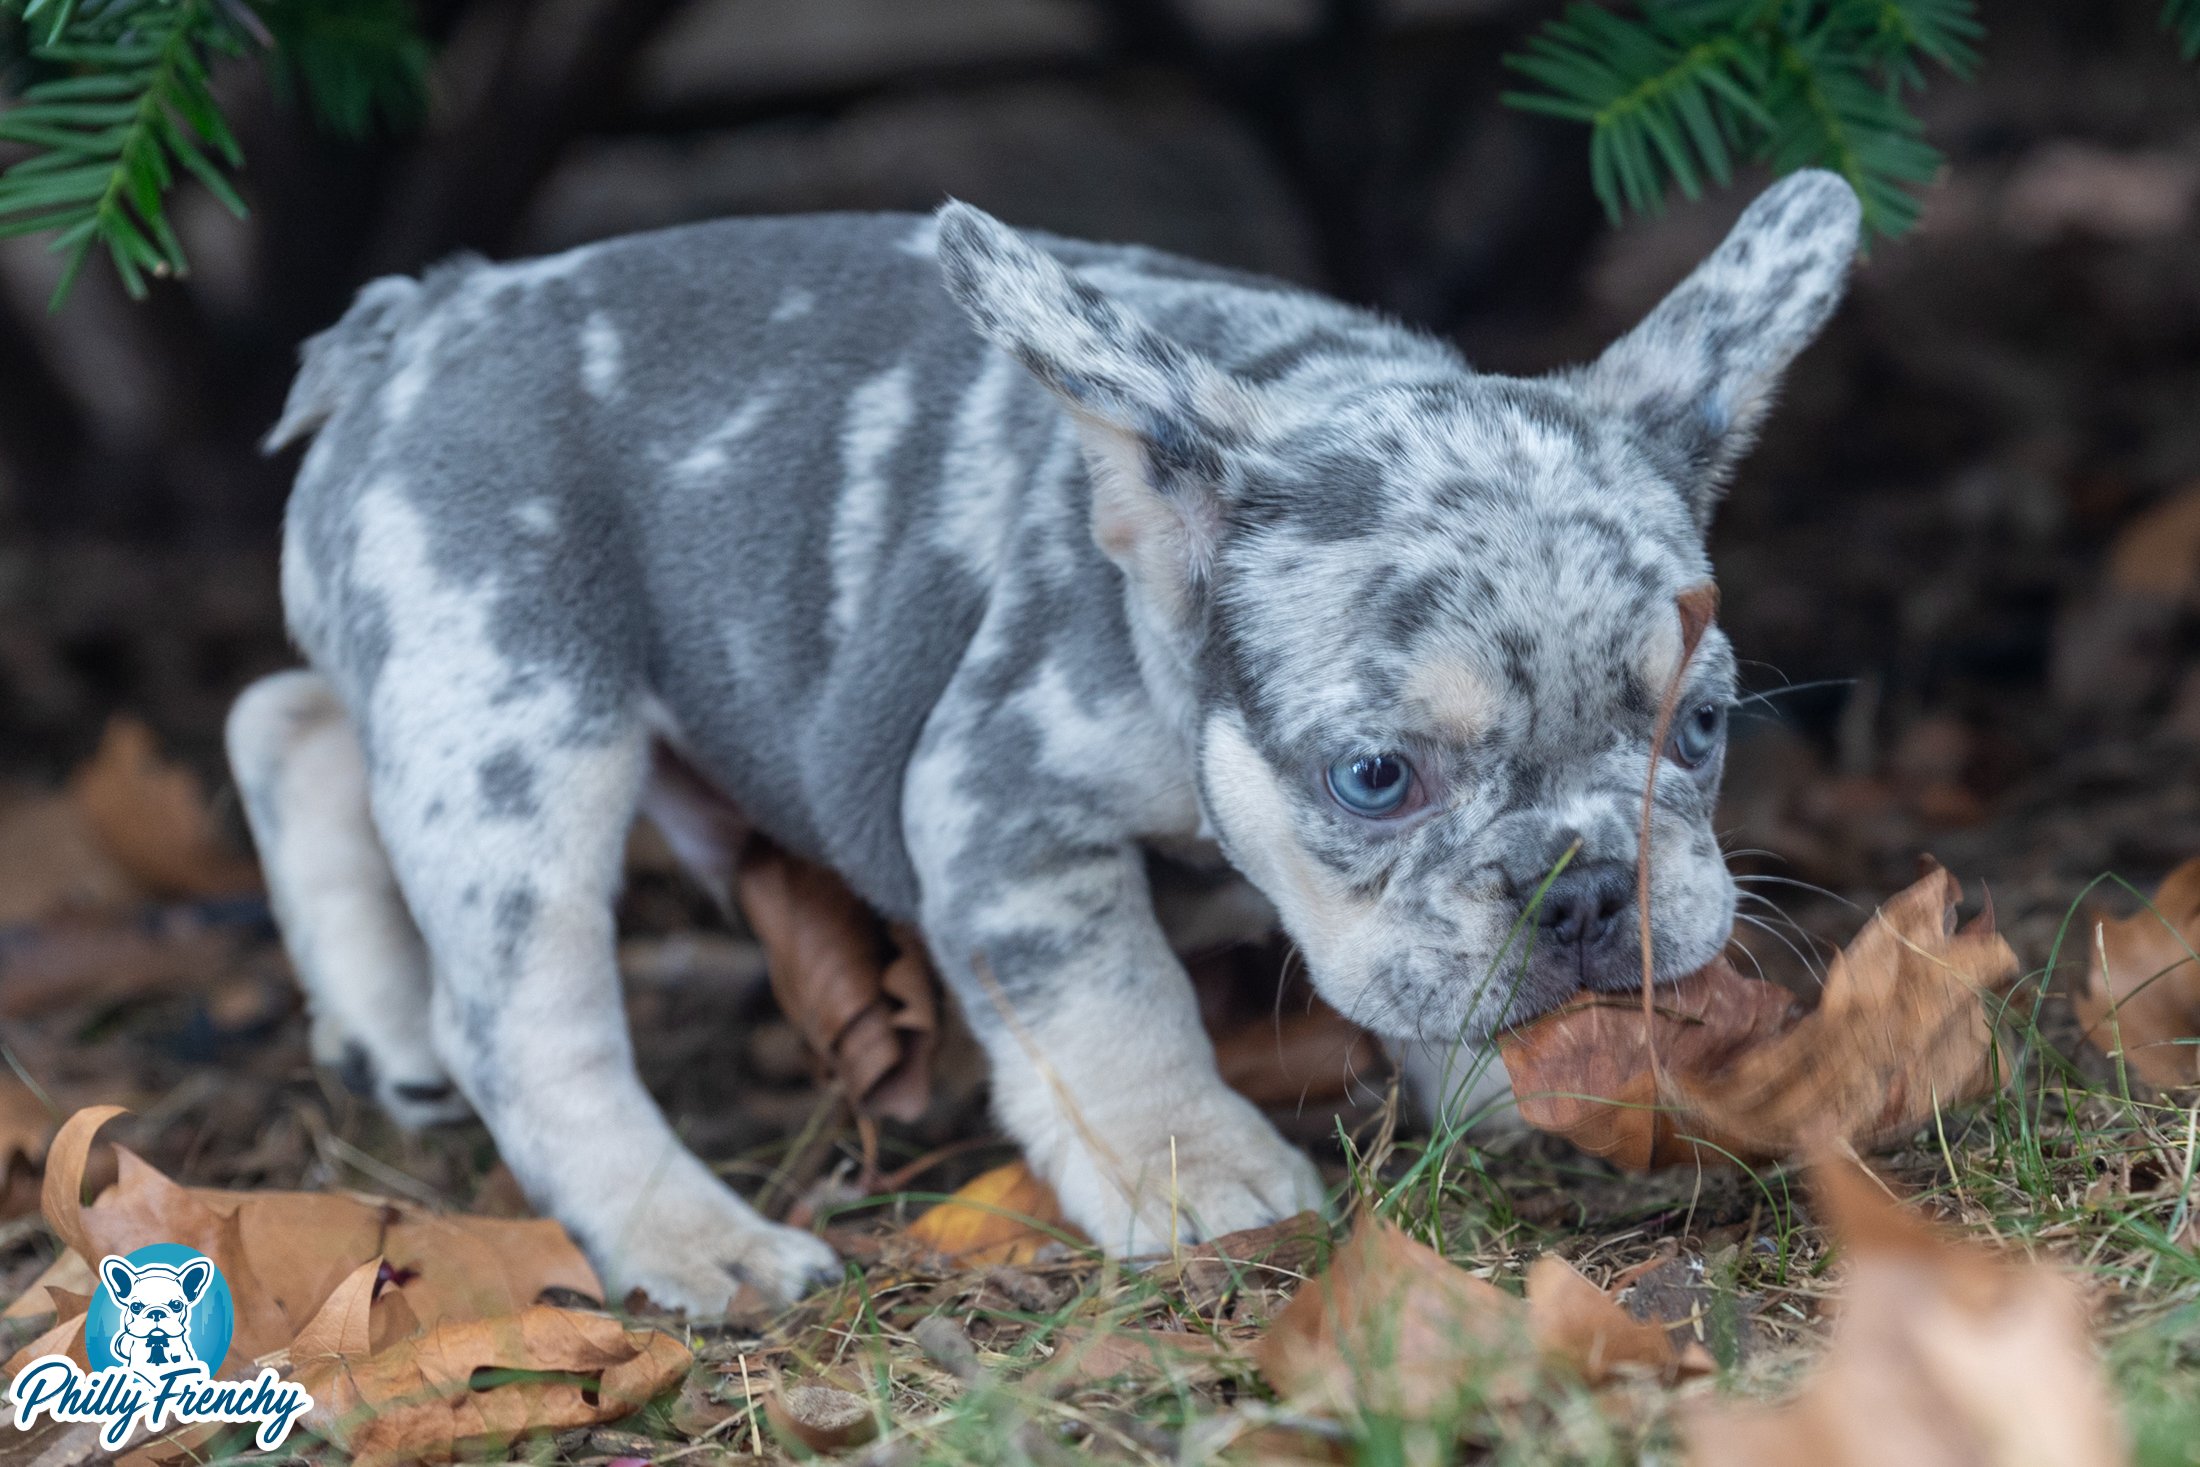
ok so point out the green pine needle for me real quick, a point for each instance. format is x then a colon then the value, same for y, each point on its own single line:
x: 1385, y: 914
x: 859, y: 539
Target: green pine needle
x: 2182, y: 18
x: 1680, y: 92
x: 120, y: 109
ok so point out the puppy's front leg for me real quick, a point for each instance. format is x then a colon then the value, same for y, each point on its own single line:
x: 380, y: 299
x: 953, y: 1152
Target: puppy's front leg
x: 1100, y: 1067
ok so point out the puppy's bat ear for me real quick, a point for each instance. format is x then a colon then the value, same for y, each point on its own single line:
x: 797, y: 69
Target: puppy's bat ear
x: 119, y: 1279
x: 193, y: 1277
x: 1158, y: 420
x: 1699, y: 374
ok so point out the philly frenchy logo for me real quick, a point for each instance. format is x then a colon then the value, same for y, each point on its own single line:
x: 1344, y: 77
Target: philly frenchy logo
x: 156, y: 1330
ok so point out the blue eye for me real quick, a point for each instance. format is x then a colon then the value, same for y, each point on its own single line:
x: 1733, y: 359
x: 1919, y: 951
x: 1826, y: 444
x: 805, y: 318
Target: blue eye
x: 1698, y: 735
x: 1373, y: 785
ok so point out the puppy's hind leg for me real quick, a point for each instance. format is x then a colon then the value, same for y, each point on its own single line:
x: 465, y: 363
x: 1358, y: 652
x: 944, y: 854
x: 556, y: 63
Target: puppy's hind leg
x: 507, y: 826
x: 356, y: 949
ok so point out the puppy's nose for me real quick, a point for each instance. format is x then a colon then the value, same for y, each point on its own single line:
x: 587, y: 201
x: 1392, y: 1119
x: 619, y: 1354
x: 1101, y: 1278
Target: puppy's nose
x: 1583, y: 903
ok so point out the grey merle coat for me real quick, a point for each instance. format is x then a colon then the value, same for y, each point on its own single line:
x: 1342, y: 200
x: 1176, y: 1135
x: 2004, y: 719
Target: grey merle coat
x: 980, y: 566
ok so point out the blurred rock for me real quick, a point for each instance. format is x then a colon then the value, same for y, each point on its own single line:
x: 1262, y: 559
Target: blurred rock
x: 1149, y: 163
x: 2073, y: 186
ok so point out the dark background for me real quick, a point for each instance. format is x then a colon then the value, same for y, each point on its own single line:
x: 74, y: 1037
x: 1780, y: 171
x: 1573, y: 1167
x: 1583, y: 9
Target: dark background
x: 1923, y: 553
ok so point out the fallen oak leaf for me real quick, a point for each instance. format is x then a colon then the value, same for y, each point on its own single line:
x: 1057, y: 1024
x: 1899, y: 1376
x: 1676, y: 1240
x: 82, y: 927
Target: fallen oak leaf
x: 1005, y: 1215
x: 1278, y: 1253
x: 1578, y: 1325
x: 467, y: 1383
x: 1585, y: 1072
x: 2144, y: 1004
x: 1087, y: 1354
x: 1725, y: 1069
x: 874, y: 1019
x: 285, y: 1253
x: 68, y: 1274
x: 1392, y: 1329
x: 152, y: 817
x: 1900, y: 1031
x: 51, y: 862
x: 1943, y: 1355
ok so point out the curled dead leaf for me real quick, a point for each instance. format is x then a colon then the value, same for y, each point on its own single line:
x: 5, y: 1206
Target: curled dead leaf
x: 1391, y: 1328
x: 284, y: 1254
x: 1901, y: 1028
x: 1585, y: 1070
x: 1085, y: 1354
x: 51, y: 862
x: 1005, y: 1215
x: 1278, y: 1255
x: 152, y: 818
x: 1942, y: 1354
x: 872, y: 1015
x: 2145, y: 1002
x: 462, y: 1385
x: 1576, y: 1324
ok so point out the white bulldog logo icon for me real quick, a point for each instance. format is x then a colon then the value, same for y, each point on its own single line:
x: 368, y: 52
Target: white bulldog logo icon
x: 155, y: 1301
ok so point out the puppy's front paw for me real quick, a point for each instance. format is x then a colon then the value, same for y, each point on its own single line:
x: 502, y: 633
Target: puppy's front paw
x: 1231, y: 1171
x: 693, y: 1252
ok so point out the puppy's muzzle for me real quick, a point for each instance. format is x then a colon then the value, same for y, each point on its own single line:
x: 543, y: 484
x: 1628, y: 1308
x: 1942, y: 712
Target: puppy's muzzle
x: 1581, y: 909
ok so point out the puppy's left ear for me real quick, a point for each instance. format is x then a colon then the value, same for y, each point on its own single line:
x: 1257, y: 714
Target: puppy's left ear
x: 1157, y: 420
x: 193, y: 1277
x: 1699, y: 374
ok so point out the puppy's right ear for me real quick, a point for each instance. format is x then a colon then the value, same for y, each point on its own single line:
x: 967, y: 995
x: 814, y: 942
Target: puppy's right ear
x: 120, y: 1280
x: 1158, y: 421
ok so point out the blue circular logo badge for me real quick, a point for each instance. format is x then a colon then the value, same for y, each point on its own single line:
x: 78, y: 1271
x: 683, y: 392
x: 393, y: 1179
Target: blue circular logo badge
x: 161, y: 1307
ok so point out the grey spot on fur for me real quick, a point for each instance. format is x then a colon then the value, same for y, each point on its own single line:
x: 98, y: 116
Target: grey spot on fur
x: 356, y: 1071
x: 507, y: 782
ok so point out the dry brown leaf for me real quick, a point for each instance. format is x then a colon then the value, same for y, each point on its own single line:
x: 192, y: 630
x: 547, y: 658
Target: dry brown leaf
x: 1392, y: 1329
x: 1900, y: 1031
x: 2146, y: 1002
x: 1084, y: 1354
x: 1310, y: 1058
x: 1278, y: 1254
x: 2157, y: 555
x: 285, y: 1253
x: 1000, y: 1216
x: 823, y: 1418
x: 151, y: 816
x: 1577, y: 1324
x: 422, y: 1400
x: 67, y: 1275
x: 1584, y: 1071
x: 1943, y: 1356
x: 872, y: 1017
x: 1901, y: 1027
x: 51, y: 862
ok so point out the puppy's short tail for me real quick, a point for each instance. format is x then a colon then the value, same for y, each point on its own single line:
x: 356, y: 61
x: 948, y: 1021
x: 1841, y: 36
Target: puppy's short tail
x: 339, y: 361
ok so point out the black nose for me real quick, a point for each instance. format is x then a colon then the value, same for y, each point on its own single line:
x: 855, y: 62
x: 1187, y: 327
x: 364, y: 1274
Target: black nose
x: 1583, y: 904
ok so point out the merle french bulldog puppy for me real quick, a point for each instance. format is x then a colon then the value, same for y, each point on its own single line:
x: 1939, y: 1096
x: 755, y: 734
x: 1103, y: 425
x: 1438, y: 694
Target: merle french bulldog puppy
x: 977, y: 565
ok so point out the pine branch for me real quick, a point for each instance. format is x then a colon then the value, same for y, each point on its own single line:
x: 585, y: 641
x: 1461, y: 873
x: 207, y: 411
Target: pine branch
x: 353, y: 59
x: 120, y: 109
x: 2182, y: 19
x: 113, y: 137
x: 1676, y: 94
